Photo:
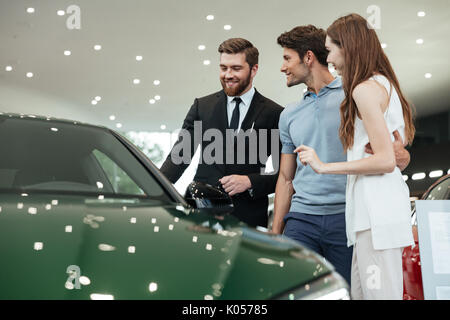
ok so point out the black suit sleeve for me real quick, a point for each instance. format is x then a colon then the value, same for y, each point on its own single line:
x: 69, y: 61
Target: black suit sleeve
x: 174, y: 171
x: 264, y: 184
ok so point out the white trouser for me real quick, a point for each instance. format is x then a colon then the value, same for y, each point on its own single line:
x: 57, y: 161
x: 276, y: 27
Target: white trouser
x: 376, y: 274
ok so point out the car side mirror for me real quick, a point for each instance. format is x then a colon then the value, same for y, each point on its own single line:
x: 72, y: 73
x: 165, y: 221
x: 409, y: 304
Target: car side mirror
x: 201, y: 195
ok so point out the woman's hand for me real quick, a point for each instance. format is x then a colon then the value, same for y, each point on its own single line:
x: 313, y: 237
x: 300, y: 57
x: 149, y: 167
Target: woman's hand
x: 307, y: 155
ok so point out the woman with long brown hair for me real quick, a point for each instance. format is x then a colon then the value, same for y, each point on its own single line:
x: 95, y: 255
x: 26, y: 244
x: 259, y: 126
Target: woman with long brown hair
x: 377, y: 198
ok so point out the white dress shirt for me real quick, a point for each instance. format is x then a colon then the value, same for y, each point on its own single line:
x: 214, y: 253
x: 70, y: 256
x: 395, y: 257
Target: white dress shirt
x: 243, y: 106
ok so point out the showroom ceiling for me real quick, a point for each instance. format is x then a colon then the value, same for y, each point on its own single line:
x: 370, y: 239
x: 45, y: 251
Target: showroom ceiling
x: 68, y: 73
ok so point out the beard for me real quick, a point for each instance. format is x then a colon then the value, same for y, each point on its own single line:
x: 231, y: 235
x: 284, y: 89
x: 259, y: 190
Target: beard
x: 242, y: 85
x: 293, y: 82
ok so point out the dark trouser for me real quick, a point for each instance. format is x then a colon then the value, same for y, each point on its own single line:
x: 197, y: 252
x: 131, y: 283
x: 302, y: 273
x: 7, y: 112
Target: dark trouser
x: 324, y: 234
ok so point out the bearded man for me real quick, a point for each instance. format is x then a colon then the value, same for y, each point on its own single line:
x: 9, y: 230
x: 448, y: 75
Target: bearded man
x: 241, y: 108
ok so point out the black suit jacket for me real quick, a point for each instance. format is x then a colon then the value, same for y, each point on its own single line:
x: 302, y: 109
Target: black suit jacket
x: 211, y: 110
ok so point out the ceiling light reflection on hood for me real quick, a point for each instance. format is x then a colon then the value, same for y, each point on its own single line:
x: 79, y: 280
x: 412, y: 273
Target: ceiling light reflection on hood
x: 106, y: 247
x: 152, y: 287
x: 38, y: 246
x: 99, y: 296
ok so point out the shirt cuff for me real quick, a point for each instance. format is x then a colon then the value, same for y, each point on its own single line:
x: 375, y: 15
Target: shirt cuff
x: 287, y: 149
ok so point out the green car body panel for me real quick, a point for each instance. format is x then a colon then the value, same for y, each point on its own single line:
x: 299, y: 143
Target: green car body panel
x: 133, y: 248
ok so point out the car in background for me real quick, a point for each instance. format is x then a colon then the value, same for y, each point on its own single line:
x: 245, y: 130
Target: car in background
x: 84, y: 214
x: 412, y: 274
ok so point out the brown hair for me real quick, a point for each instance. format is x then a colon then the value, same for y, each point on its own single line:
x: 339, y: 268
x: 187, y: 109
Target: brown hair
x: 363, y: 58
x: 238, y: 45
x: 304, y: 38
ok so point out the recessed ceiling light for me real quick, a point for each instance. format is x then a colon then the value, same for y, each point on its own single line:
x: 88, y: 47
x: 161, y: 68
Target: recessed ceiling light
x: 138, y: 58
x: 156, y: 82
x: 206, y: 62
x: 8, y: 68
x: 418, y: 176
x: 201, y: 47
x: 436, y: 173
x: 30, y: 10
x: 227, y: 27
x: 112, y: 117
x: 152, y: 101
x: 118, y: 125
x: 157, y: 97
x: 98, y: 98
x: 163, y: 127
x: 210, y: 17
x: 94, y: 102
x: 428, y: 75
x: 419, y: 41
x: 421, y: 14
x: 60, y: 12
x: 136, y: 81
x: 67, y: 53
x: 383, y: 45
x: 30, y: 75
x: 97, y: 47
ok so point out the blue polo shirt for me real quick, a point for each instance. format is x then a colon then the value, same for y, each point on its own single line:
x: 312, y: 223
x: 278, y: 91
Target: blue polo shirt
x: 314, y: 122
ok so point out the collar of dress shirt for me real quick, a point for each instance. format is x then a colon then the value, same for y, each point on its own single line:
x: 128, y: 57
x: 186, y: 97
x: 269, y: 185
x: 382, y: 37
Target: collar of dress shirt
x: 246, y: 97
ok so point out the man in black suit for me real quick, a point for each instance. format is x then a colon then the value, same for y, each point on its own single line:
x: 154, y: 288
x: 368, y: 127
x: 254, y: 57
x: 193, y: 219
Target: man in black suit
x: 252, y: 120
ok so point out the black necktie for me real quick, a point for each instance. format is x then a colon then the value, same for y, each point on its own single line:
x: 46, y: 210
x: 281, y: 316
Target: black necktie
x: 234, y: 124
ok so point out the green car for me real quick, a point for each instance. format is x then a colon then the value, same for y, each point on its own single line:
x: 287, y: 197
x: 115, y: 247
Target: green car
x: 85, y: 215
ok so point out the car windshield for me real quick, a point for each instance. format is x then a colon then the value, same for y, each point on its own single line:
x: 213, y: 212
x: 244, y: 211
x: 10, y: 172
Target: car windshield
x: 440, y: 191
x: 62, y: 157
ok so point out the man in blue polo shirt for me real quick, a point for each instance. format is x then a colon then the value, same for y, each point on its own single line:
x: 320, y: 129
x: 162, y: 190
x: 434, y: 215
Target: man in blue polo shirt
x: 310, y: 207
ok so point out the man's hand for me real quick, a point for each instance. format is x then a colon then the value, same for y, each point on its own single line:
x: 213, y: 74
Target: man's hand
x: 402, y: 156
x: 235, y: 184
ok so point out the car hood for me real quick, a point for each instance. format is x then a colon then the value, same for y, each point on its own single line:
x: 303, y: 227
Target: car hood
x: 130, y: 248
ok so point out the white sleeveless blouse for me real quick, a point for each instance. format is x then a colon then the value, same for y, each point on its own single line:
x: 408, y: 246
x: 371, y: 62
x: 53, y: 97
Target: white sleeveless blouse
x: 379, y: 202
